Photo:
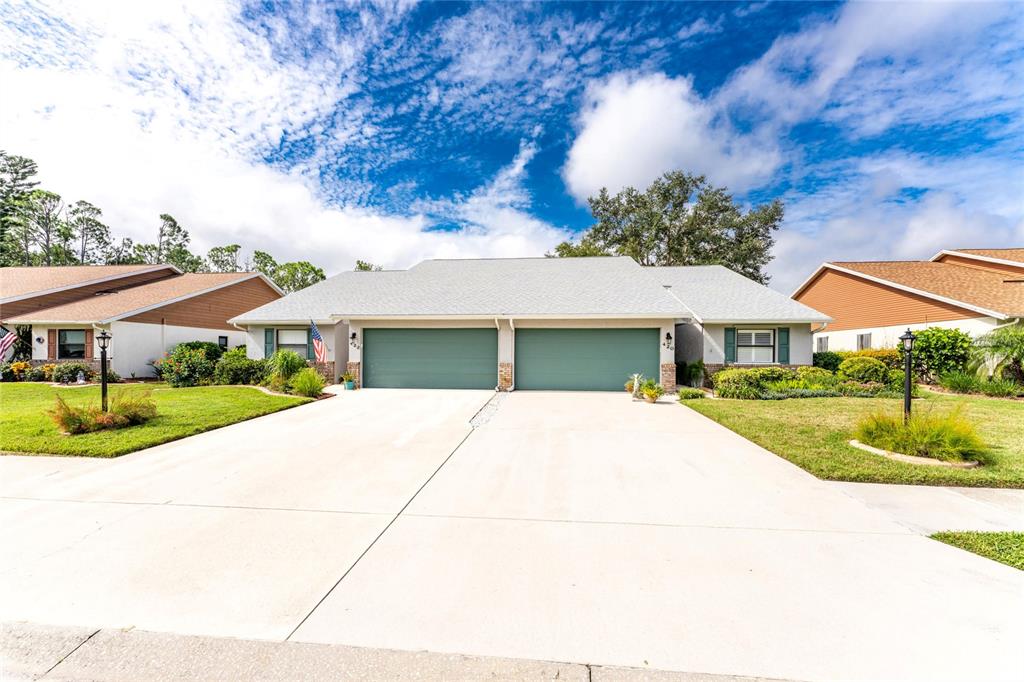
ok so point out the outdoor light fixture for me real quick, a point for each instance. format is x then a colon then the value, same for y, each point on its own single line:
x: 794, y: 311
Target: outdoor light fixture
x: 353, y: 340
x: 908, y: 351
x: 104, y: 341
x: 668, y: 340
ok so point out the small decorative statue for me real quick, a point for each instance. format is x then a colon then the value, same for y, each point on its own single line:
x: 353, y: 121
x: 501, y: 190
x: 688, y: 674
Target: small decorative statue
x: 81, y: 377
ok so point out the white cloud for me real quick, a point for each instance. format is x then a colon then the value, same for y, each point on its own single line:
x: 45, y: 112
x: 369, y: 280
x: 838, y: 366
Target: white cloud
x: 159, y: 109
x: 699, y: 27
x: 634, y: 128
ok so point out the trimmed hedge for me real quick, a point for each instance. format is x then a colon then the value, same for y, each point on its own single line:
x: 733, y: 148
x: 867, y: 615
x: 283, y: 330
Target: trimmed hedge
x: 863, y: 369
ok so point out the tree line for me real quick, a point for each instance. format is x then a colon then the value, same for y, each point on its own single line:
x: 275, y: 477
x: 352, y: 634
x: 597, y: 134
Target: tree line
x: 39, y: 227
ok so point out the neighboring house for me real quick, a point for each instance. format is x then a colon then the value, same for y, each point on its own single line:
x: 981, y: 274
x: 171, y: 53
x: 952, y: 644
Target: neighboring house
x: 147, y: 309
x: 534, y: 323
x: 872, y: 303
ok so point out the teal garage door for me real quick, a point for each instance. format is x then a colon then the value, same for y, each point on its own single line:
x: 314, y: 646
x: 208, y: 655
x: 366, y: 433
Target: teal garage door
x: 430, y: 358
x: 584, y: 359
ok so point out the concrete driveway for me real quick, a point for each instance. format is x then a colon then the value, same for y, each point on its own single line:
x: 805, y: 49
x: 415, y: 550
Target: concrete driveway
x: 565, y: 527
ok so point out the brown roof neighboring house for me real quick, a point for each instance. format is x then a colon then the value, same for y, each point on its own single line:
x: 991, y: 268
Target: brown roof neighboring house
x: 21, y: 282
x: 954, y: 285
x: 1016, y: 255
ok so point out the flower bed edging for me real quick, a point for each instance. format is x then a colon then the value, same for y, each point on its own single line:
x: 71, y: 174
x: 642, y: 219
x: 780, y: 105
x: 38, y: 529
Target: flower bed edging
x: 912, y: 459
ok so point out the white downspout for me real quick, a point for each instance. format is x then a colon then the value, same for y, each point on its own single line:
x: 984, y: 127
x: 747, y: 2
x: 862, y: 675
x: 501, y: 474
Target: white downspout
x: 512, y: 325
x: 497, y: 326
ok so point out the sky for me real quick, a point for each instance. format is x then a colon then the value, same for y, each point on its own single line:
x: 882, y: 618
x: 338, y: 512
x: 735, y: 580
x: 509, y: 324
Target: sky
x: 398, y: 131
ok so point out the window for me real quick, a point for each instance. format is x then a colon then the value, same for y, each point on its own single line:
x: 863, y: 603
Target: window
x: 222, y: 341
x: 755, y: 346
x: 863, y: 341
x: 71, y: 344
x: 822, y: 342
x: 292, y: 339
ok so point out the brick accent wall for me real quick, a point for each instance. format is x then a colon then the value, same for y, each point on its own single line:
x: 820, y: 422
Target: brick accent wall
x: 504, y: 376
x: 668, y: 376
x: 353, y: 369
x: 326, y: 369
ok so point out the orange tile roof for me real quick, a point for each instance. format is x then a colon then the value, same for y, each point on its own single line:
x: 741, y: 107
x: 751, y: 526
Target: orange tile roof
x: 1002, y: 254
x: 103, y: 307
x: 996, y: 291
x: 18, y: 281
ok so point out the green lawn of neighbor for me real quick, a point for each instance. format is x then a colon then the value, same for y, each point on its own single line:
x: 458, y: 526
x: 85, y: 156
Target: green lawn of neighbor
x: 25, y: 426
x: 1007, y: 548
x: 814, y: 434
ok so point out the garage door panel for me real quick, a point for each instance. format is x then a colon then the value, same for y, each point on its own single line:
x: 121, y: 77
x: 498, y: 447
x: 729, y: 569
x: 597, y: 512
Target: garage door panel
x: 430, y: 358
x: 584, y: 359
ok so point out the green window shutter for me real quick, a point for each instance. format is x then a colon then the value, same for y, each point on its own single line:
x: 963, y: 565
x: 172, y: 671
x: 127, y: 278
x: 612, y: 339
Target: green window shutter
x: 309, y: 344
x: 268, y: 342
x: 730, y: 344
x: 783, y: 345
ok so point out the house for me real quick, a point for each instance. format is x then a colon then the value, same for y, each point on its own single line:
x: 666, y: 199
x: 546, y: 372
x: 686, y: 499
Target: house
x: 534, y: 323
x: 872, y: 303
x: 147, y: 309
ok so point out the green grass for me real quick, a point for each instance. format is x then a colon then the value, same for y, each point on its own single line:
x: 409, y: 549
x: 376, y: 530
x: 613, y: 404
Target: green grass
x: 1006, y: 548
x: 25, y: 426
x: 814, y: 434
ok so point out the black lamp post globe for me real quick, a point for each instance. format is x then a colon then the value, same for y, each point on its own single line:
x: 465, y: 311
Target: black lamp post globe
x: 104, y: 341
x: 907, y: 339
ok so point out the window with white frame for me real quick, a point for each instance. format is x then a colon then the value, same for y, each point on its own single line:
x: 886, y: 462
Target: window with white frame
x: 863, y: 341
x: 755, y: 346
x: 822, y: 344
x: 292, y: 339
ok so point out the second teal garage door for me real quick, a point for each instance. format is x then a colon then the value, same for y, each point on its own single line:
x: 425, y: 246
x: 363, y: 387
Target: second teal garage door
x: 584, y: 359
x: 430, y: 358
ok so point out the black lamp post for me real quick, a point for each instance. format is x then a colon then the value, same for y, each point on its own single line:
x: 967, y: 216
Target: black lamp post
x: 908, y: 350
x: 104, y: 341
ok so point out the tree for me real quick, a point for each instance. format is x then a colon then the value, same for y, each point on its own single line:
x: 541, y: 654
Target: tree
x: 366, y: 266
x: 299, y: 275
x: 40, y: 222
x: 16, y: 182
x: 680, y: 220
x: 264, y: 263
x: 171, y: 247
x: 91, y: 235
x: 224, y: 258
x: 122, y: 253
x: 170, y: 236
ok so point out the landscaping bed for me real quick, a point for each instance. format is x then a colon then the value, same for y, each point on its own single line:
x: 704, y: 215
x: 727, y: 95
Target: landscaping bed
x: 25, y: 426
x: 1006, y: 548
x: 814, y: 434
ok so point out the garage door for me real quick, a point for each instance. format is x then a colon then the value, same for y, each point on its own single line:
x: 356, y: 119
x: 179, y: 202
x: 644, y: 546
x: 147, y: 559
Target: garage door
x: 430, y: 358
x: 584, y: 359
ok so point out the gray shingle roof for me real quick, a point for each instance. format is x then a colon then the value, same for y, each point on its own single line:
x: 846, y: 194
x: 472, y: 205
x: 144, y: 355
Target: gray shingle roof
x: 600, y: 287
x: 717, y: 294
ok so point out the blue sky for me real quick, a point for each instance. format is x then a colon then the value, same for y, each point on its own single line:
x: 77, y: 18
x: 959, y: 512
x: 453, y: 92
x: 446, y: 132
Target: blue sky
x: 400, y: 131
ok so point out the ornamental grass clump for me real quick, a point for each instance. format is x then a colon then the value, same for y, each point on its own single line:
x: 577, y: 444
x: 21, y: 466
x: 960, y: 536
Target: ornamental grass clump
x: 690, y: 394
x: 307, y: 382
x: 949, y: 436
x: 127, y: 408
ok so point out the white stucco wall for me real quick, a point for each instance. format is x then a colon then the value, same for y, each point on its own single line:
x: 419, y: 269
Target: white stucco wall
x: 335, y: 338
x: 887, y: 337
x: 800, y: 348
x: 133, y: 345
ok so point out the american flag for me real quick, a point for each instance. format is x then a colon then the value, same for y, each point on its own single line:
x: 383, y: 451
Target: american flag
x: 319, y: 349
x: 6, y: 341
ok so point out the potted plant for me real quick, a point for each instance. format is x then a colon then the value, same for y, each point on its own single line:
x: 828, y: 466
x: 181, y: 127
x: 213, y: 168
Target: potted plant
x: 349, y: 381
x: 651, y: 391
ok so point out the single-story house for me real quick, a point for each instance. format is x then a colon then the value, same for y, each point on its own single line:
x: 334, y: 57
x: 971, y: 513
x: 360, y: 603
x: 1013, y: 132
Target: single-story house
x: 147, y: 309
x: 534, y: 323
x: 871, y: 303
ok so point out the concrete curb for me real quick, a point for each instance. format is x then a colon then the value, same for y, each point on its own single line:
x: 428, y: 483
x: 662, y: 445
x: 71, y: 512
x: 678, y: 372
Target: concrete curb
x: 912, y: 459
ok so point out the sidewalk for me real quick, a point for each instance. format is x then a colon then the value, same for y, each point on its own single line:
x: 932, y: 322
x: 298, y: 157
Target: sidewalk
x: 32, y: 652
x: 928, y: 509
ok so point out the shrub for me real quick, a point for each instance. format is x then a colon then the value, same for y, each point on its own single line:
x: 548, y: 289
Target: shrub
x: 863, y: 369
x: 127, y: 408
x: 651, y: 390
x: 48, y: 370
x: 1001, y: 352
x: 1001, y: 388
x: 285, y: 363
x: 308, y: 382
x: 746, y: 384
x: 959, y: 382
x: 34, y: 374
x: 892, y: 358
x: 235, y: 368
x: 690, y: 394
x: 277, y: 383
x: 692, y: 373
x: 938, y: 351
x: 20, y: 369
x: 213, y: 350
x: 816, y: 376
x: 6, y: 373
x: 186, y: 366
x: 67, y: 372
x: 827, y: 360
x: 948, y: 436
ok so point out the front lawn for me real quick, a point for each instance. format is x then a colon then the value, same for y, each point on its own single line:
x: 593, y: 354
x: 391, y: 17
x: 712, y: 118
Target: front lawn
x: 814, y: 434
x: 26, y: 427
x: 1007, y: 548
